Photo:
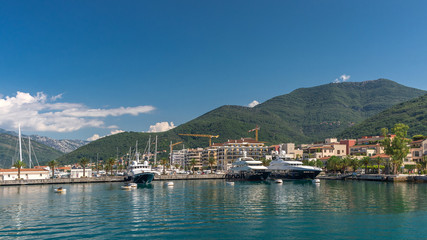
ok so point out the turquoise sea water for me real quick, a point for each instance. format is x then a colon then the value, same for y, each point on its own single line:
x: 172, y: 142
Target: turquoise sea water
x: 212, y: 209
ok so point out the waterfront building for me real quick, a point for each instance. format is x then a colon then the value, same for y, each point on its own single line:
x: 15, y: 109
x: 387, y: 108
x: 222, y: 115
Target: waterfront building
x: 196, y: 154
x: 78, y: 172
x: 26, y: 174
x: 348, y: 143
x: 372, y: 139
x: 366, y: 150
x: 418, y: 150
x: 319, y: 151
x: 230, y: 151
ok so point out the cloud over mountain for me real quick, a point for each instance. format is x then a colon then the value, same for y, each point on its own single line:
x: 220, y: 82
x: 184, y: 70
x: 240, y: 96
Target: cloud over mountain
x: 40, y: 113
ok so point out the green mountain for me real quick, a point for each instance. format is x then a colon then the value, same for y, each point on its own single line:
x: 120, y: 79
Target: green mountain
x: 304, y: 115
x: 9, y: 151
x: 412, y: 113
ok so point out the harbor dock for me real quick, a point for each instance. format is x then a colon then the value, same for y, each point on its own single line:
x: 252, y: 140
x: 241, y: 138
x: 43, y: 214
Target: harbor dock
x: 105, y: 179
x: 378, y: 177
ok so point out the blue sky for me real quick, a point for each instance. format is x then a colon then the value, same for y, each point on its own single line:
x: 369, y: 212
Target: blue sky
x: 96, y: 67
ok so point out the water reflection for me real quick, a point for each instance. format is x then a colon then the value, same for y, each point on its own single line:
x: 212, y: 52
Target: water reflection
x: 212, y: 208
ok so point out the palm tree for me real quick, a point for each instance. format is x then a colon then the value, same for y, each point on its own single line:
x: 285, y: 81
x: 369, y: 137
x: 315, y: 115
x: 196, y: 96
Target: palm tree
x: 333, y: 163
x: 164, y: 162
x: 211, y: 162
x: 83, y: 162
x: 52, y: 165
x: 353, y: 162
x: 365, y: 161
x: 378, y: 160
x: 193, y: 163
x: 110, y: 163
x: 19, y: 164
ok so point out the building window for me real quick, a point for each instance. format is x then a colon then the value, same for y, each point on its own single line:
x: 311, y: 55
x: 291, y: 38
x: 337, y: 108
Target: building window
x: 338, y: 151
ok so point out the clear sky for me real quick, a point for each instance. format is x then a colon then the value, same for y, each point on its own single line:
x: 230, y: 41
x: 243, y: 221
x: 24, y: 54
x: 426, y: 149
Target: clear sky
x: 98, y: 67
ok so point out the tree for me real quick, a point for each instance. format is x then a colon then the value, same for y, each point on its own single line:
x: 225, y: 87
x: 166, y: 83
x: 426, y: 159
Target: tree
x: 319, y: 163
x: 365, y: 161
x: 19, y: 164
x: 265, y: 162
x: 164, y: 162
x: 397, y: 148
x: 83, y: 162
x: 193, y: 163
x: 52, y: 165
x: 353, y: 163
x: 110, y: 163
x: 378, y: 160
x: 333, y: 163
x: 211, y: 162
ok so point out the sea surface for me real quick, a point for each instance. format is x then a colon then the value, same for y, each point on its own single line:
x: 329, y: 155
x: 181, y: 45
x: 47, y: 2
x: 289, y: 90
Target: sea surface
x: 213, y: 209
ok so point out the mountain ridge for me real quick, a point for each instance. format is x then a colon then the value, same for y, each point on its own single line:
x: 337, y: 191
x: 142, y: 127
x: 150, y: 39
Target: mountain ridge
x: 301, y: 116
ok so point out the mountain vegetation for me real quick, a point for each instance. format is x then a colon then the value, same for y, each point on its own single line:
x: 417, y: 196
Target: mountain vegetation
x: 304, y: 115
x: 9, y: 151
x: 412, y: 113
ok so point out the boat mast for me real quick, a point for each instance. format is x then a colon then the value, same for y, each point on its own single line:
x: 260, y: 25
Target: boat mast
x: 29, y: 150
x: 149, y: 148
x: 20, y: 144
x: 155, y: 153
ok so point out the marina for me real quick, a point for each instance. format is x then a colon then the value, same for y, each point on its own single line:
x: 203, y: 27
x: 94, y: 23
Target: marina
x: 212, y: 208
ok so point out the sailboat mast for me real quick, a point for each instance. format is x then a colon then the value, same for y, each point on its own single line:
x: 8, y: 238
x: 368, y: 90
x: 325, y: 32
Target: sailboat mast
x: 155, y: 153
x: 29, y: 150
x: 20, y: 144
x: 149, y: 148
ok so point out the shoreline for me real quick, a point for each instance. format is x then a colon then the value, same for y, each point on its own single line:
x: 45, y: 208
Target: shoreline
x: 107, y: 179
x: 379, y: 178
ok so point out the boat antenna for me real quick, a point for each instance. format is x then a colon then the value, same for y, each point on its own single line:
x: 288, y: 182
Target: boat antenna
x: 155, y: 153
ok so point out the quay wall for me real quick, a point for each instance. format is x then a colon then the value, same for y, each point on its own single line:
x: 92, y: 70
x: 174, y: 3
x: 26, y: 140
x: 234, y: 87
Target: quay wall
x: 188, y: 177
x: 108, y: 179
x: 63, y: 181
x: 380, y: 177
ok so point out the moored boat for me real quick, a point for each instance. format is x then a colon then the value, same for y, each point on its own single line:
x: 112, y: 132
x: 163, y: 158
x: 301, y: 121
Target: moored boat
x: 60, y: 190
x: 290, y: 169
x: 247, y: 169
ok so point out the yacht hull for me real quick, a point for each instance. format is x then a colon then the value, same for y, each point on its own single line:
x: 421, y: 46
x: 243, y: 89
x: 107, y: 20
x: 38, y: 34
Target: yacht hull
x: 246, y: 176
x: 294, y: 174
x: 143, y: 178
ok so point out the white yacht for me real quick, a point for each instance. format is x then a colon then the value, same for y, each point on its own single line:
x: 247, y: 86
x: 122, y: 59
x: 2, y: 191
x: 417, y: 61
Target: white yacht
x: 141, y: 172
x: 246, y: 168
x: 290, y: 169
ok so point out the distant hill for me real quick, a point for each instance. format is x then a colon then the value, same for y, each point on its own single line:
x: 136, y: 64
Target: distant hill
x: 412, y: 113
x: 304, y: 115
x: 9, y: 151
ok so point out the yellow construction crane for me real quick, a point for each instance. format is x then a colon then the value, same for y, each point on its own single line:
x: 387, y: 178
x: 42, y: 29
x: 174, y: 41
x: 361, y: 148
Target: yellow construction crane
x: 201, y: 135
x: 256, y: 129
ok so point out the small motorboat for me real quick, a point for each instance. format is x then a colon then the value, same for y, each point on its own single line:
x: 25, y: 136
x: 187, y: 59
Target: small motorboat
x: 230, y: 183
x: 129, y: 186
x: 60, y: 190
x: 278, y: 181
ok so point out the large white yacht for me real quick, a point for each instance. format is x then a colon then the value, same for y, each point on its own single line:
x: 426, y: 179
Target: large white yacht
x: 291, y: 169
x: 246, y: 168
x: 140, y: 172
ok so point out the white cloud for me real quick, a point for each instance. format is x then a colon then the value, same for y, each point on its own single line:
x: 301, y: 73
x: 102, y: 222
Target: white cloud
x: 40, y: 113
x: 96, y: 136
x: 344, y: 77
x: 161, y: 127
x: 253, y: 103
